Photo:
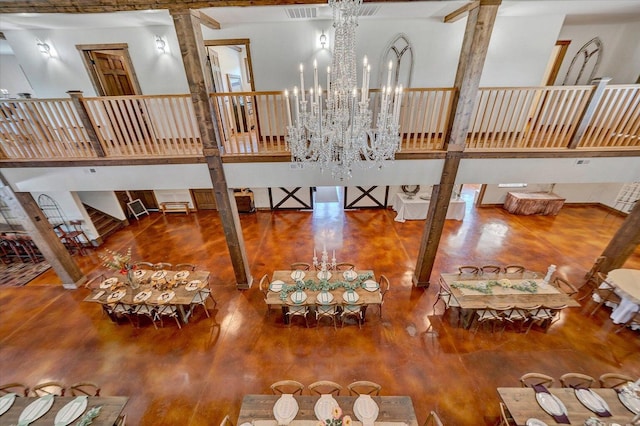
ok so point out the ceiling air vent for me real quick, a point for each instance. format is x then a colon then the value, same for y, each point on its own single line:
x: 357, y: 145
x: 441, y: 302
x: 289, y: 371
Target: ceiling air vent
x: 302, y: 12
x: 368, y: 10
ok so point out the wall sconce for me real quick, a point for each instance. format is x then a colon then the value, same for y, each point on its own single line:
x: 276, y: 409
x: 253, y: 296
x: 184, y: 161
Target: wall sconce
x: 44, y: 48
x: 323, y: 39
x: 161, y: 44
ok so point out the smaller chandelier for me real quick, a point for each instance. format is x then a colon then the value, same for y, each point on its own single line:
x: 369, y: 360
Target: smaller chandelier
x: 335, y: 129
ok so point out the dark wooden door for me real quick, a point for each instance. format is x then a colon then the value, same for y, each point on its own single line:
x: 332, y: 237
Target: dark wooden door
x: 204, y: 199
x: 112, y: 72
x: 147, y: 197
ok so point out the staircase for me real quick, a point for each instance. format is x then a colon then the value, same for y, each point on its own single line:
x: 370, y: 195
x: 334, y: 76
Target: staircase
x: 105, y: 224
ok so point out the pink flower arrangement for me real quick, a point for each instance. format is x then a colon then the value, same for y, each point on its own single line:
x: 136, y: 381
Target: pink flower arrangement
x: 336, y: 420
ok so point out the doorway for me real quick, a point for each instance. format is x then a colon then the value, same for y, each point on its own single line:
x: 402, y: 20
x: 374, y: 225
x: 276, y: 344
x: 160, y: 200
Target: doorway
x: 110, y: 69
x: 204, y: 199
x: 147, y: 197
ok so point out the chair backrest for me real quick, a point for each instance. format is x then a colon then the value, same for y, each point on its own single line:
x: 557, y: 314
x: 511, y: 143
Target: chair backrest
x: 264, y: 285
x: 17, y: 388
x: 226, y: 421
x: 287, y: 386
x: 185, y: 267
x: 595, y: 268
x: 95, y: 281
x: 576, y: 379
x: 144, y: 265
x: 84, y: 388
x: 364, y: 387
x: 48, y: 388
x: 325, y: 387
x: 384, y: 285
x: 433, y: 420
x: 302, y: 266
x: 564, y: 285
x: 514, y: 269
x: 614, y: 380
x: 505, y: 416
x: 162, y: 265
x: 344, y: 266
x: 121, y: 420
x: 469, y: 269
x: 490, y: 269
x: 529, y: 379
x: 602, y: 279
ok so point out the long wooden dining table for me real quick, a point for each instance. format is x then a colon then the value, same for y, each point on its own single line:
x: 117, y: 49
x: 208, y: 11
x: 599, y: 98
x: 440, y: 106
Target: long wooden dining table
x: 111, y: 408
x: 392, y: 409
x: 365, y: 297
x: 463, y: 287
x: 523, y: 405
x: 172, y: 281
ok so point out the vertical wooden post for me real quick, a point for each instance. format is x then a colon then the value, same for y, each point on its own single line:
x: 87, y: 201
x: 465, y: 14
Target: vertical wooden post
x: 36, y: 225
x: 624, y: 242
x: 472, y: 56
x: 589, y: 110
x: 77, y: 98
x: 187, y: 24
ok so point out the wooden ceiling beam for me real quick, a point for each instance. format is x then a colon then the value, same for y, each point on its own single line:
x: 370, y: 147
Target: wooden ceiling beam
x: 208, y: 21
x: 460, y: 12
x: 105, y: 6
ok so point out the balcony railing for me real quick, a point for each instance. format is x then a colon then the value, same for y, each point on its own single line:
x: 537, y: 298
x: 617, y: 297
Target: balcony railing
x: 254, y: 123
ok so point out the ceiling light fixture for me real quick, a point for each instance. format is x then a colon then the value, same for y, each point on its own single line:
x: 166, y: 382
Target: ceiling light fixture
x: 44, y: 48
x: 160, y: 44
x: 335, y: 129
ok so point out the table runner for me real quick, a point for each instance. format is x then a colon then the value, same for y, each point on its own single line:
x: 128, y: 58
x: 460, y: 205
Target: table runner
x: 559, y: 419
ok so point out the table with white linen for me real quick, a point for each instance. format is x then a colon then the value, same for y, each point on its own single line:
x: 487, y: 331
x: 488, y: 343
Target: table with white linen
x: 416, y: 207
x: 394, y: 410
x: 627, y: 283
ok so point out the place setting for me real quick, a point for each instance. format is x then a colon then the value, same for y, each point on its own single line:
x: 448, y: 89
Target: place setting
x: 179, y: 276
x: 116, y: 295
x: 142, y: 296
x: 298, y: 297
x: 370, y: 285
x: 109, y: 282
x: 276, y: 285
x: 350, y: 275
x: 193, y: 285
x: 166, y: 296
x: 297, y: 275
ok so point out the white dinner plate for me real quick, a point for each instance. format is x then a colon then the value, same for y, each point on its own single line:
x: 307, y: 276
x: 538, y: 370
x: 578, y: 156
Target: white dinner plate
x: 297, y: 275
x: 550, y: 403
x: 158, y: 275
x: 324, y: 407
x: 535, y: 422
x: 591, y: 400
x: 116, y: 295
x: 108, y: 282
x: 181, y: 275
x: 366, y: 409
x: 298, y: 296
x: 276, y: 286
x: 633, y: 404
x: 6, y: 401
x: 371, y: 285
x: 324, y: 297
x: 35, y: 410
x: 71, y: 411
x: 166, y: 296
x: 142, y: 296
x: 324, y: 275
x: 285, y: 409
x: 193, y: 285
x: 350, y: 296
x: 138, y: 273
x: 350, y: 275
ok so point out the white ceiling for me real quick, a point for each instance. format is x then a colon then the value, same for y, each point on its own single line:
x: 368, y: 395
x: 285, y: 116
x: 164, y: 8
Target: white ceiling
x: 576, y: 11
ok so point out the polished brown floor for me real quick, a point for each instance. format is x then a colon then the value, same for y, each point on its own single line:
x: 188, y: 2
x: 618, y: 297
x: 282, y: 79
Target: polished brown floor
x: 196, y: 375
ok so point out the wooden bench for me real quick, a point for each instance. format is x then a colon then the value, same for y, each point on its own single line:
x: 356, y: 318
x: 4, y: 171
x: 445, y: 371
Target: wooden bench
x: 174, y: 206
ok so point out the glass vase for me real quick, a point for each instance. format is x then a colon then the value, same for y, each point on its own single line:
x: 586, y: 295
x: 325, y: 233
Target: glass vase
x: 131, y: 279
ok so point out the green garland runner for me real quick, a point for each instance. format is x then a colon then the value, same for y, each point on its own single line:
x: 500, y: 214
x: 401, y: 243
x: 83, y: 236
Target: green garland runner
x: 484, y: 287
x: 323, y: 285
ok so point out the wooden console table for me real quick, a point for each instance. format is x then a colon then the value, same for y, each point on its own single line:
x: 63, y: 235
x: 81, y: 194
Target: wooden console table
x: 528, y: 203
x: 175, y: 206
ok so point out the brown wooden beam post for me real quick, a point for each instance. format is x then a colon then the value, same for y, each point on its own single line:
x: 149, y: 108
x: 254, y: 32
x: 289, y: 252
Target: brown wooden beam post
x: 36, y: 225
x: 188, y: 29
x: 624, y: 242
x: 588, y: 112
x: 472, y: 56
x: 78, y: 101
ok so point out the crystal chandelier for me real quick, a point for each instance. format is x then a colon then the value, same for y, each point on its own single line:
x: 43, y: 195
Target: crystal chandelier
x: 333, y: 129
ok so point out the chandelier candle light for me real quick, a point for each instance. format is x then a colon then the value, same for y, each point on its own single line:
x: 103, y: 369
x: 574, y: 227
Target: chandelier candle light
x: 334, y: 129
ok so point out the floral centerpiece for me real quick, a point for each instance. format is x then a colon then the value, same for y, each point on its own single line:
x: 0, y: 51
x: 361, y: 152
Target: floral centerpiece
x: 121, y: 263
x: 336, y: 419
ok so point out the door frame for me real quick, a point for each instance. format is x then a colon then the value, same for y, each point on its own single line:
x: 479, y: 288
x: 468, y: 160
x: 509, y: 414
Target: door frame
x: 235, y: 42
x: 85, y: 52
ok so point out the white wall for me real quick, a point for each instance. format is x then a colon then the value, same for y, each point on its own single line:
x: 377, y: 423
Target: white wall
x: 105, y: 201
x: 52, y: 77
x: 174, y: 195
x: 621, y: 50
x: 12, y: 78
